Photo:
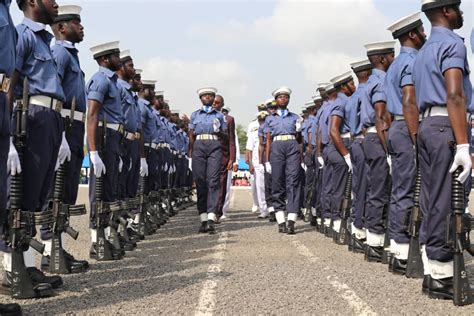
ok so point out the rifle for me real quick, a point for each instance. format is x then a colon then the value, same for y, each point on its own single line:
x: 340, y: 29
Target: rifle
x: 61, y: 211
x: 457, y: 238
x: 21, y: 223
x: 344, y: 234
x: 386, y: 254
x: 413, y: 220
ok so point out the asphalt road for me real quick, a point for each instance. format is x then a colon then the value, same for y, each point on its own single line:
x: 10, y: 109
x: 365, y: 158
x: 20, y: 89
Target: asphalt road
x: 245, y: 269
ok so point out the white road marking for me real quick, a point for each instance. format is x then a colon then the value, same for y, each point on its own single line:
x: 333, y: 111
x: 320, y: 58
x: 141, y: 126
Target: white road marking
x: 208, y: 297
x: 343, y: 290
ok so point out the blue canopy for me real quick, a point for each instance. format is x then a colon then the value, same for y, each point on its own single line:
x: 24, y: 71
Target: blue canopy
x: 86, y: 162
x: 243, y: 165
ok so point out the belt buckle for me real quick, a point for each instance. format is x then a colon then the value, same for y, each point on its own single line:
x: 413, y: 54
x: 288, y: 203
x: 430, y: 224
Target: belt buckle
x: 5, y: 84
x: 137, y: 135
x: 59, y: 107
x: 121, y: 129
x: 84, y: 117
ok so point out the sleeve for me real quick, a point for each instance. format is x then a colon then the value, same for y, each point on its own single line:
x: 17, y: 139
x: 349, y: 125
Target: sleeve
x: 191, y: 124
x: 223, y: 122
x: 338, y: 110
x: 231, y: 128
x: 378, y: 94
x: 250, y: 141
x: 407, y: 75
x: 454, y: 56
x: 22, y: 49
x: 62, y: 60
x: 97, y: 89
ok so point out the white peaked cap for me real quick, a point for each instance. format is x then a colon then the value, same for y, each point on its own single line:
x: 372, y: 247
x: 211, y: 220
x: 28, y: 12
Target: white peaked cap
x: 68, y: 12
x: 105, y: 49
x: 379, y: 48
x: 405, y: 25
x: 226, y: 108
x: 431, y: 4
x: 342, y: 79
x: 269, y: 101
x: 317, y: 97
x: 159, y: 93
x: 281, y: 90
x: 362, y: 65
x: 309, y: 104
x: 125, y: 55
x: 329, y: 87
x: 148, y: 82
x: 322, y: 85
x: 138, y: 71
x: 207, y: 90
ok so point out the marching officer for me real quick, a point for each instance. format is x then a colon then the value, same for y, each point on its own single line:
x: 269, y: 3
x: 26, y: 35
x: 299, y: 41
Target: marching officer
x: 104, y: 107
x: 443, y: 93
x: 206, y: 126
x: 400, y: 92
x: 363, y: 70
x: 284, y: 156
x: 339, y: 158
x: 69, y: 31
x: 309, y: 157
x: 46, y: 144
x: 375, y: 121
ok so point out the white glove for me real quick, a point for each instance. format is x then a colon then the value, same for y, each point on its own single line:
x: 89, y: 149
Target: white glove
x: 120, y: 164
x: 64, y: 151
x: 303, y: 166
x: 99, y: 167
x: 321, y: 162
x: 216, y: 124
x: 347, y: 158
x: 131, y: 164
x: 462, y: 158
x: 143, y: 167
x: 172, y: 168
x: 268, y: 167
x: 389, y: 162
x: 298, y: 124
x: 13, y: 162
x: 190, y: 164
x: 165, y: 167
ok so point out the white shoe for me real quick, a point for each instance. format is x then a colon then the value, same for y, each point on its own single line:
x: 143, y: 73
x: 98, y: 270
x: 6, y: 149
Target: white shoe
x: 254, y: 209
x: 263, y: 215
x: 223, y: 218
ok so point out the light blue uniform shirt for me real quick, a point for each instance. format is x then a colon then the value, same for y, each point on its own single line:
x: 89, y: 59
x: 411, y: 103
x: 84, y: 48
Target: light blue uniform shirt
x: 130, y: 109
x: 398, y: 76
x: 315, y: 126
x: 354, y: 109
x: 372, y: 94
x: 281, y: 125
x: 161, y: 130
x: 339, y: 109
x: 202, y: 122
x: 323, y: 123
x: 35, y: 61
x: 443, y: 50
x: 148, y: 120
x: 71, y: 75
x: 102, y: 87
x: 306, y: 128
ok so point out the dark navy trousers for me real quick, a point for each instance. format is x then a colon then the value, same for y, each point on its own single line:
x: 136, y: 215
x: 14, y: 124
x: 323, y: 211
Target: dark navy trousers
x: 207, y: 156
x: 153, y: 172
x: 436, y: 152
x: 128, y: 178
x: 359, y: 183
x: 285, y: 159
x: 338, y: 180
x: 326, y: 187
x: 110, y: 159
x: 378, y: 183
x: 4, y: 147
x: 310, y: 179
x: 403, y: 179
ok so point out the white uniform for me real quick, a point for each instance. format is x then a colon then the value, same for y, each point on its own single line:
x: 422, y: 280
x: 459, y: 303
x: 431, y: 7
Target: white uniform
x: 226, y: 205
x: 258, y: 190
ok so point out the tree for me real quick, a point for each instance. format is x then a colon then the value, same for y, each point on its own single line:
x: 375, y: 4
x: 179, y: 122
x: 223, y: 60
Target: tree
x: 242, y: 135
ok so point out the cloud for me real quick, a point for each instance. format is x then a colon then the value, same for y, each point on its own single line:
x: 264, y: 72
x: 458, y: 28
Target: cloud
x: 181, y: 78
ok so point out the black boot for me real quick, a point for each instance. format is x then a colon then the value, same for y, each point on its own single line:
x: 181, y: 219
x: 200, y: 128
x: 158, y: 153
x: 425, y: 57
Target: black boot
x: 373, y: 254
x: 10, y: 310
x: 291, y: 228
x: 203, y: 228
x: 39, y: 277
x: 73, y: 265
x: 399, y: 266
x: 211, y: 228
x: 313, y: 221
x: 425, y: 287
x: 441, y: 289
x: 282, y: 228
x: 358, y: 245
x: 271, y: 217
x: 117, y: 254
x: 41, y: 290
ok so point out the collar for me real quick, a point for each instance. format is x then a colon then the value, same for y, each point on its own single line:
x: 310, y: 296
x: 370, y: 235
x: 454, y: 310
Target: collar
x: 377, y: 72
x: 109, y: 73
x: 361, y: 85
x: 66, y: 44
x: 125, y: 84
x: 341, y: 95
x: 408, y: 50
x: 211, y: 109
x: 144, y: 101
x: 443, y: 30
x: 34, y: 26
x: 284, y: 112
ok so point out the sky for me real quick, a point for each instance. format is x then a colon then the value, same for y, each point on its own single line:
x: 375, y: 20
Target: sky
x: 244, y: 48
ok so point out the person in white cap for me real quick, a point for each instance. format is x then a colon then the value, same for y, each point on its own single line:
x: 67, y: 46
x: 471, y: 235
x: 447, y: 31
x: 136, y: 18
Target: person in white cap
x: 376, y: 121
x: 441, y: 78
x: 257, y: 169
x: 104, y: 115
x: 284, y: 156
x: 401, y: 100
x: 68, y: 31
x: 206, y: 127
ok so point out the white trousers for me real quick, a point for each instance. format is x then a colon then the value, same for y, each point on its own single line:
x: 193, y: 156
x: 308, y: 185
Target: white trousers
x: 259, y: 176
x: 226, y: 206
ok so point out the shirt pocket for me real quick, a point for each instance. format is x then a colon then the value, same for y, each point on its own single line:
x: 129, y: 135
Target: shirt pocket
x: 44, y: 64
